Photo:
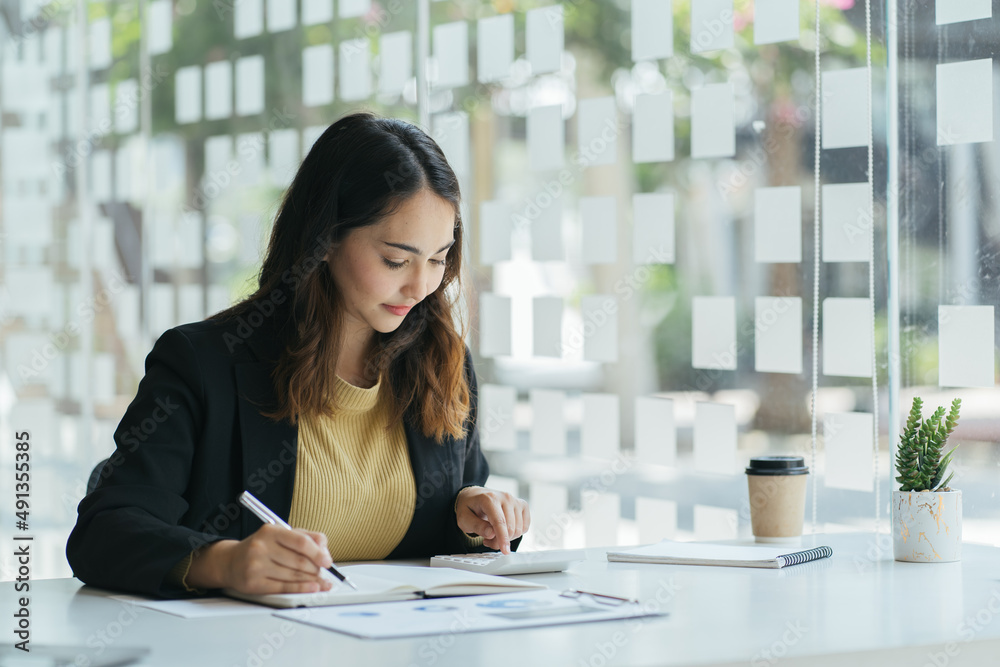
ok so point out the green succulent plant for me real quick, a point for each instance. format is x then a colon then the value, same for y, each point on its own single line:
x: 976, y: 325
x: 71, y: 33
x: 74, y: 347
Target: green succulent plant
x: 918, y: 460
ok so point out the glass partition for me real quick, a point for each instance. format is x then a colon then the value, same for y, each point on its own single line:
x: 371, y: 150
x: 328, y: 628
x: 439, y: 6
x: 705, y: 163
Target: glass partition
x: 641, y: 189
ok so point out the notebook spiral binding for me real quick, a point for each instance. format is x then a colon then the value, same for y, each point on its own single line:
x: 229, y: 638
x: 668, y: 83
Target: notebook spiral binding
x: 806, y: 556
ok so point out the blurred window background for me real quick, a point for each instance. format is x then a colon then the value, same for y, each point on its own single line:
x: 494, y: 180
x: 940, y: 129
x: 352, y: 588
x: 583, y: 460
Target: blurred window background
x: 639, y: 199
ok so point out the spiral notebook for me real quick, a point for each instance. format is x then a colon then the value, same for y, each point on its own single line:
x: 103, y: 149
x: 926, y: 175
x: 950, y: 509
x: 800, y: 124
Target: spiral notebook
x: 669, y: 552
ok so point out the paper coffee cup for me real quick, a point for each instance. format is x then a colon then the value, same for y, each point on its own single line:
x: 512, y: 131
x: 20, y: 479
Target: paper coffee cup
x: 777, y: 486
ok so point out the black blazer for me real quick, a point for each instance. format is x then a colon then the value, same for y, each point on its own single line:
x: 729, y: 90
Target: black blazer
x: 193, y: 439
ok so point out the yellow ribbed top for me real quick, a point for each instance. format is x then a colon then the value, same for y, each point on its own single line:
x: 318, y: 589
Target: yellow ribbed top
x: 353, y: 479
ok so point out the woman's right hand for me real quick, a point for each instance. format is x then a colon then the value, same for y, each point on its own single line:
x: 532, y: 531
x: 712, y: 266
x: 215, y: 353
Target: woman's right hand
x: 272, y: 560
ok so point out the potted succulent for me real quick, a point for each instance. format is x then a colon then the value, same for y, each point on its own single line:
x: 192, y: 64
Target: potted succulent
x: 926, y: 512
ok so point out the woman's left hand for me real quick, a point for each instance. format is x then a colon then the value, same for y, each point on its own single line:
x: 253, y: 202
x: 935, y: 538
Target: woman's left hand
x: 498, y: 516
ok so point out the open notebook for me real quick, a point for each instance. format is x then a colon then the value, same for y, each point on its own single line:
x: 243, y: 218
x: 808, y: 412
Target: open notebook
x: 384, y: 583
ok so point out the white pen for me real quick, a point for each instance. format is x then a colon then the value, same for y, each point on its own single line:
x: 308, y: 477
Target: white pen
x: 264, y: 513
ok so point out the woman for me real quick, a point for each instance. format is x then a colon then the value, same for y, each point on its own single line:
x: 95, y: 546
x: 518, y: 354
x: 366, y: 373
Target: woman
x: 340, y: 394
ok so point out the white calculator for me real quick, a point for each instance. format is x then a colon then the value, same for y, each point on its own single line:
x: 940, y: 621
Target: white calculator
x: 528, y: 562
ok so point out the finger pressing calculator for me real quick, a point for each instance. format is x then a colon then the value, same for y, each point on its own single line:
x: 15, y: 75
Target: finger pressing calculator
x: 528, y: 562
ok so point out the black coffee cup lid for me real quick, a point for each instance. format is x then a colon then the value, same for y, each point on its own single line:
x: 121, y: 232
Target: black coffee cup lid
x: 777, y: 465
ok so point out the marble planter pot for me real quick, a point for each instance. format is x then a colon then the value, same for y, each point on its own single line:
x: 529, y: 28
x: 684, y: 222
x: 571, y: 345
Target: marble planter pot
x: 927, y: 526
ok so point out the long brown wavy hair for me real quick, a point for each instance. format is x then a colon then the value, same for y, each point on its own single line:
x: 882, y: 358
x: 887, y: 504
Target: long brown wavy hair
x: 361, y: 169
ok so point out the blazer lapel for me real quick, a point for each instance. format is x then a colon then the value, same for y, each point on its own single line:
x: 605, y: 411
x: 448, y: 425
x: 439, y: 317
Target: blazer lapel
x: 269, y: 447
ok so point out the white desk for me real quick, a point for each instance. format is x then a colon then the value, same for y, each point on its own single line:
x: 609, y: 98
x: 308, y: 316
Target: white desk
x: 860, y: 602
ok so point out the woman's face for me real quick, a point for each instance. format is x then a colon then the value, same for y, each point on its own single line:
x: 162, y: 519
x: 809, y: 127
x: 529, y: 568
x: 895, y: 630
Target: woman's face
x: 385, y: 269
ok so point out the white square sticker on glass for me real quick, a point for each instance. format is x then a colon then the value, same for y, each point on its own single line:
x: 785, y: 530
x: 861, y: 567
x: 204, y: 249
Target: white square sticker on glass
x: 965, y: 102
x: 775, y: 21
x: 546, y: 136
x: 451, y: 131
x: 845, y: 108
x: 495, y: 232
x: 190, y: 303
x: 601, y: 518
x: 100, y: 104
x: 598, y: 230
x: 847, y: 337
x: 599, y: 433
x: 548, y: 423
x: 160, y: 26
x: 280, y: 15
x: 653, y: 228
x: 494, y: 325
x: 846, y: 222
x: 248, y: 18
x: 713, y: 332
x: 715, y: 523
x: 547, y: 234
x: 494, y: 47
x: 218, y: 153
x: 652, y: 29
x: 395, y: 62
x: 956, y: 11
x: 309, y: 136
x: 100, y: 179
x: 451, y: 54
x: 317, y: 75
x: 350, y: 8
x: 283, y: 155
x: 100, y: 43
x: 549, y: 504
x: 355, y: 70
x: 711, y: 25
x: 546, y: 325
x: 655, y: 430
x: 657, y: 519
x: 316, y: 11
x: 600, y: 327
x: 250, y: 149
x: 778, y: 224
x: 544, y: 39
x: 250, y: 85
x: 187, y: 94
x: 189, y: 238
x: 126, y: 106
x: 598, y: 131
x: 847, y: 443
x: 966, y: 347
x: 778, y: 327
x: 653, y: 128
x: 162, y: 315
x: 496, y: 417
x: 713, y: 125
x: 218, y: 90
x: 715, y: 438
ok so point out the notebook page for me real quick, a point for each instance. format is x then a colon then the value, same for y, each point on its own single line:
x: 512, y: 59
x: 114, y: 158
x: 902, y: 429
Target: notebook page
x: 436, y: 580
